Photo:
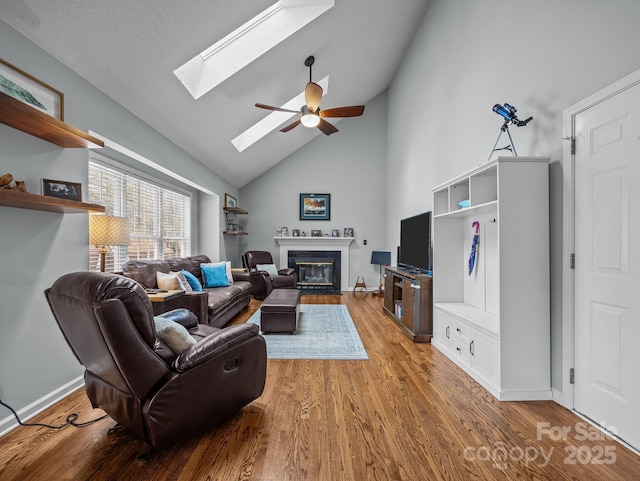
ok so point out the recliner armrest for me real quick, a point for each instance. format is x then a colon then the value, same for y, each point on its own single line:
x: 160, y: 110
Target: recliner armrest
x: 182, y: 316
x: 287, y: 271
x: 196, y: 302
x: 241, y: 276
x: 214, y: 345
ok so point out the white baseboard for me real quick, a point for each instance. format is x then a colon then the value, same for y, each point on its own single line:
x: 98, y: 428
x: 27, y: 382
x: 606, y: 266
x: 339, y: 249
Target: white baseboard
x: 10, y: 423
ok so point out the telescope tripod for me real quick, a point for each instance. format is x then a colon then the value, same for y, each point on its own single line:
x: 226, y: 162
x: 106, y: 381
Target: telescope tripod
x: 510, y: 147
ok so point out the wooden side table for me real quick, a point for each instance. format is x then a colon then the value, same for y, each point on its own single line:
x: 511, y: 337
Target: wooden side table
x: 158, y: 299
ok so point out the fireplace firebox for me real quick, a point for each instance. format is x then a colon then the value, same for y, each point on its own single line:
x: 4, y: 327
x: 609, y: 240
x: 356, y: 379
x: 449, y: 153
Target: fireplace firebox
x: 317, y: 271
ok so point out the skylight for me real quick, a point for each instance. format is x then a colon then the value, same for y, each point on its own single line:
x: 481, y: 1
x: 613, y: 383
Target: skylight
x: 273, y: 120
x: 248, y: 42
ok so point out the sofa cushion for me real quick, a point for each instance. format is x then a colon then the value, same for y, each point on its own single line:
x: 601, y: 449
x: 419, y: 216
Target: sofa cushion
x: 144, y: 271
x: 220, y: 298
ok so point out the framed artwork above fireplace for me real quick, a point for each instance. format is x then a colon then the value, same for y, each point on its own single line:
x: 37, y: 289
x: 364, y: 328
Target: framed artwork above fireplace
x: 315, y: 206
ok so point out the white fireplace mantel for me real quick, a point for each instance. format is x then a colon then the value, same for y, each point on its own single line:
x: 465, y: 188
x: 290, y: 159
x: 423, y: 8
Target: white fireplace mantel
x: 318, y: 244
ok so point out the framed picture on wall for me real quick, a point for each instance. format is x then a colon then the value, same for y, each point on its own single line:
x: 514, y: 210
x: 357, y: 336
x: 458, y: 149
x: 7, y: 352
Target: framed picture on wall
x: 230, y: 201
x: 62, y: 189
x: 315, y: 206
x: 29, y: 90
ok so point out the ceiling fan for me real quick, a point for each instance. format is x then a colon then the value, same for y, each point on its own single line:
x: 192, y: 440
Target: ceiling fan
x: 310, y: 113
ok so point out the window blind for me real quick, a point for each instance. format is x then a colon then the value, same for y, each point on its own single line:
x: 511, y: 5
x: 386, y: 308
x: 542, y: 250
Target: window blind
x: 159, y: 217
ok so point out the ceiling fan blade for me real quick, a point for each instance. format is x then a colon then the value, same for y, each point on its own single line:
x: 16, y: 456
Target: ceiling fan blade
x: 312, y: 96
x: 352, y: 111
x: 277, y: 109
x: 290, y: 126
x: 326, y: 127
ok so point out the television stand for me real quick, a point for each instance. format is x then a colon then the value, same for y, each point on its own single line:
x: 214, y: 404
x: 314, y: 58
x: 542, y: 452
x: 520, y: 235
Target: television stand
x: 408, y: 300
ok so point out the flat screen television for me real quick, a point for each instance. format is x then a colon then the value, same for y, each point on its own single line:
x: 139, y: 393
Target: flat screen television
x: 415, y: 243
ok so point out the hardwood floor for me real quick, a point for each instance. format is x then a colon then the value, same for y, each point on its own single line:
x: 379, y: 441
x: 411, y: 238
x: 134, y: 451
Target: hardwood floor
x: 408, y: 413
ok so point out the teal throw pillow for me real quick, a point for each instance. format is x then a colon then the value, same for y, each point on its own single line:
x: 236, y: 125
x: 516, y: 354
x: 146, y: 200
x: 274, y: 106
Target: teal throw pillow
x: 193, y: 281
x: 214, y: 275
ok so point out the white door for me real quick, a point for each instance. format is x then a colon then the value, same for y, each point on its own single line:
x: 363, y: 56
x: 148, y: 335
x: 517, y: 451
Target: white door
x: 607, y: 264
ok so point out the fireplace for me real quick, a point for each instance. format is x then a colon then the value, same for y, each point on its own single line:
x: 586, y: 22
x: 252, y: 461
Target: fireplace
x: 317, y: 271
x: 314, y: 245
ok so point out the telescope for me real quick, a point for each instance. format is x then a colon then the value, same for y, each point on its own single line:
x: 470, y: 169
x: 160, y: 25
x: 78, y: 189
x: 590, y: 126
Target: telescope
x: 508, y: 113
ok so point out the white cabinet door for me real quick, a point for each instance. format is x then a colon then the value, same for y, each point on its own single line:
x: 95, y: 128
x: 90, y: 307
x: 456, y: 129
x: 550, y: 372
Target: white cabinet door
x: 485, y: 356
x: 441, y: 329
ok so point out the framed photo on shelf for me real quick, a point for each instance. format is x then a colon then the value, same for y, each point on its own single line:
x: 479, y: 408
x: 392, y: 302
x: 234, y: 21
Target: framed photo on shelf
x: 62, y: 189
x: 315, y: 206
x: 29, y: 90
x: 348, y: 231
x: 230, y: 201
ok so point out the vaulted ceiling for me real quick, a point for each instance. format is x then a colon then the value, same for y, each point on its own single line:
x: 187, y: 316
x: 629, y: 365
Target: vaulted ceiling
x: 130, y: 50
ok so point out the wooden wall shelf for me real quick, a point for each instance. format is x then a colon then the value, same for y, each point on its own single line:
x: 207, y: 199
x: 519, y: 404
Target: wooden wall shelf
x: 21, y: 116
x: 230, y: 224
x: 25, y: 200
x: 235, y: 210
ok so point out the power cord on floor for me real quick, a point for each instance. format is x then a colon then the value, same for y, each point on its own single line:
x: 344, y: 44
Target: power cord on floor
x: 70, y: 421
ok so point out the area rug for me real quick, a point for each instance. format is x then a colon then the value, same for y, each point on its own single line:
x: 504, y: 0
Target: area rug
x: 325, y: 331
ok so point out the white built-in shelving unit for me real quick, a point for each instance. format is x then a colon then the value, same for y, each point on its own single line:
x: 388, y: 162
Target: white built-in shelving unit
x: 495, y: 323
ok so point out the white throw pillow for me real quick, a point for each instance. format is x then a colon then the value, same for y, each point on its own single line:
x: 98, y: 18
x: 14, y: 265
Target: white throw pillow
x: 271, y: 269
x: 173, y: 334
x: 170, y: 282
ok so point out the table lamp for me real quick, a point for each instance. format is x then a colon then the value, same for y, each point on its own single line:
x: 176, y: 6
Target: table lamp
x: 382, y: 258
x: 107, y: 230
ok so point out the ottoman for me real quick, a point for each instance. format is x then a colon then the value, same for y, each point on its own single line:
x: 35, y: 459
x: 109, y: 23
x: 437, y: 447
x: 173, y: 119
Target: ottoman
x: 279, y: 311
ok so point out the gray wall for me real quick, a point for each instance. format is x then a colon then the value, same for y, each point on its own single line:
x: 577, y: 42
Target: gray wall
x: 351, y: 166
x: 37, y: 247
x: 467, y: 55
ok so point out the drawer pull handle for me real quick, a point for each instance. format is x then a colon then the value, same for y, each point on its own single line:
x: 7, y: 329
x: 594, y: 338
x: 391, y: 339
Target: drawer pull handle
x: 459, y: 350
x: 458, y: 330
x: 447, y: 332
x: 471, y: 348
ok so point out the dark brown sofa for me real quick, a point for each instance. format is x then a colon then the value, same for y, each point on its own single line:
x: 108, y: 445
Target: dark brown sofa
x: 215, y: 306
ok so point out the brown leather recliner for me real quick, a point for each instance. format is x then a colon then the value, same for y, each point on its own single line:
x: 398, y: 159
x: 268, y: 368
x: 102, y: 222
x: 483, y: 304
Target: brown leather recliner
x: 133, y: 376
x: 262, y: 283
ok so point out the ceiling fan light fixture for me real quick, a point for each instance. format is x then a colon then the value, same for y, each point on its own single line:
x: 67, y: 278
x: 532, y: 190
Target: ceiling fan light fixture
x: 309, y: 119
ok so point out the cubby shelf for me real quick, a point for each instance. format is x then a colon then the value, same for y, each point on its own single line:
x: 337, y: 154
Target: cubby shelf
x: 21, y: 116
x: 25, y: 200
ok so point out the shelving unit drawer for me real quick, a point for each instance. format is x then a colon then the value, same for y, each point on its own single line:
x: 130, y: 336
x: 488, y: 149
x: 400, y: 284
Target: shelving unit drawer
x: 461, y: 350
x: 460, y: 331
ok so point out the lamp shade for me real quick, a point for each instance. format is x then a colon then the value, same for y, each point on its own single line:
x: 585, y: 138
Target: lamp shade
x: 107, y: 230
x: 382, y: 258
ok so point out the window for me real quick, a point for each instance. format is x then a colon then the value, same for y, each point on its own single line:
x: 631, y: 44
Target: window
x: 159, y: 216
